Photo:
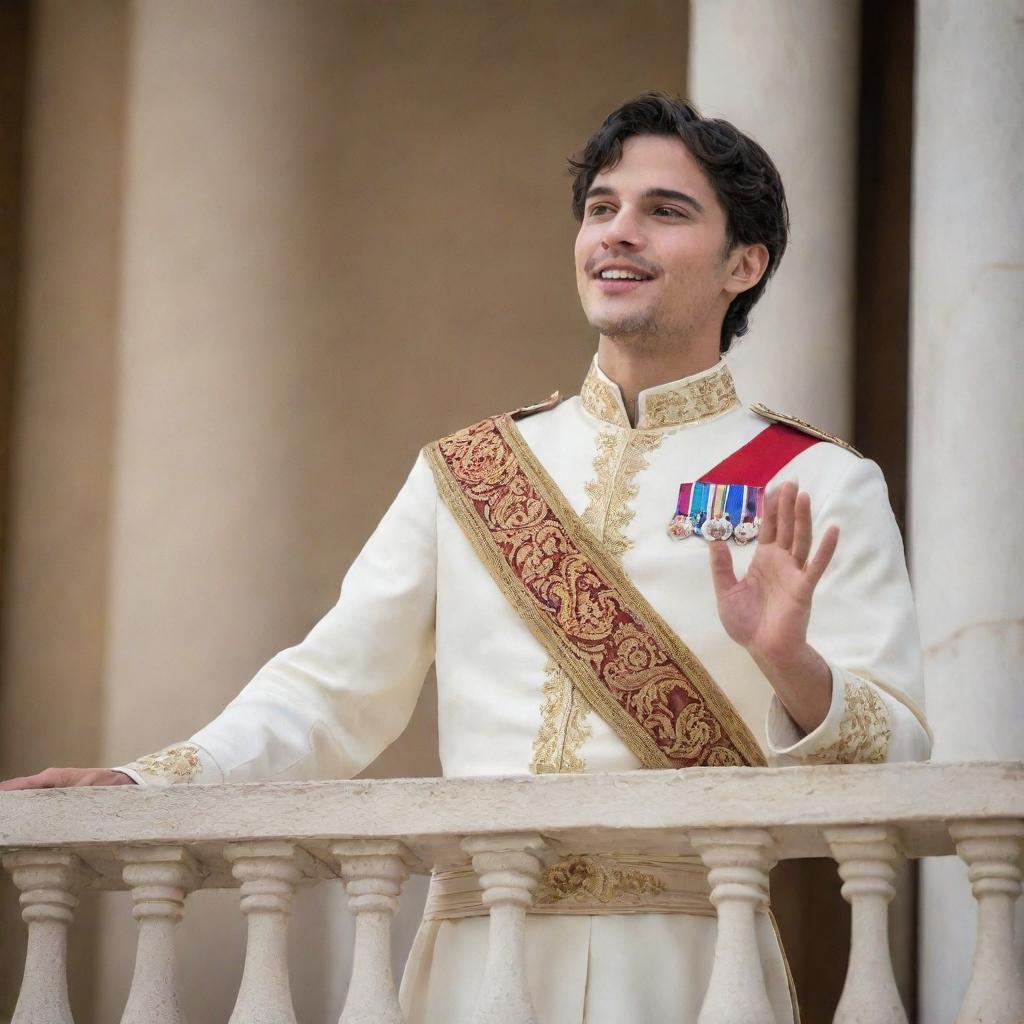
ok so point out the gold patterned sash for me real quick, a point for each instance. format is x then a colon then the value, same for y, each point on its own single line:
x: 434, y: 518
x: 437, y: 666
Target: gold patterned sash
x: 577, y: 601
x: 587, y: 884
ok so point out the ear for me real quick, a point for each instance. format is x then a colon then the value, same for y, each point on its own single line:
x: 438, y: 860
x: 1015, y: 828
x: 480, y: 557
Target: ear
x: 747, y: 264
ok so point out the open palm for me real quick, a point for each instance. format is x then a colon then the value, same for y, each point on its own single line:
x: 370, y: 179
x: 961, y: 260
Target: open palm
x: 768, y: 610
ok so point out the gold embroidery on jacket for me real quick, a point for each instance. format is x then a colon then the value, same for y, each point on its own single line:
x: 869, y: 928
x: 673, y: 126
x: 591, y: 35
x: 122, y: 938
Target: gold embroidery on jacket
x: 564, y: 728
x: 179, y: 764
x: 864, y: 729
x: 620, y: 457
x: 584, y: 878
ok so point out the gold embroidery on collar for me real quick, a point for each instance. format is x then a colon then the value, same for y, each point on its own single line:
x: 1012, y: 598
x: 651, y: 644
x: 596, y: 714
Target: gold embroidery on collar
x: 864, y: 729
x: 688, y: 401
x: 583, y: 878
x: 599, y: 398
x: 179, y: 764
x: 695, y: 400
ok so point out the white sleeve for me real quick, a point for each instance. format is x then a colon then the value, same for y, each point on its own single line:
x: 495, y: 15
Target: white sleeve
x: 864, y: 625
x: 327, y: 707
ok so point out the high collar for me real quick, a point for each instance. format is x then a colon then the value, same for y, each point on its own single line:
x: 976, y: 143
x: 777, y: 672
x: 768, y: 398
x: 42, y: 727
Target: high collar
x: 702, y: 396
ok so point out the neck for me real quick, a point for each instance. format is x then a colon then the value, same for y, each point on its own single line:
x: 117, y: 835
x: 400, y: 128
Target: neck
x: 636, y: 368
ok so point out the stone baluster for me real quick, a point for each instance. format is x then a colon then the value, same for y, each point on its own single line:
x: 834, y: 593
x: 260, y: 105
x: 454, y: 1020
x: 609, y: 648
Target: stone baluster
x: 159, y: 878
x: 738, y: 862
x: 48, y: 880
x: 268, y: 872
x: 992, y: 852
x: 509, y: 868
x: 867, y: 856
x: 374, y: 873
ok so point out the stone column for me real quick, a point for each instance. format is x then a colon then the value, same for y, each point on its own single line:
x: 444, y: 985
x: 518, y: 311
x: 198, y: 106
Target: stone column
x: 222, y: 441
x: 967, y: 461
x: 786, y: 73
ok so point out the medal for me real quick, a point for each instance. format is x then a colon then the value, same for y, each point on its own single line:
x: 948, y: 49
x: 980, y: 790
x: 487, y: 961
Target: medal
x: 749, y: 525
x: 718, y: 512
x: 681, y: 524
x: 717, y: 526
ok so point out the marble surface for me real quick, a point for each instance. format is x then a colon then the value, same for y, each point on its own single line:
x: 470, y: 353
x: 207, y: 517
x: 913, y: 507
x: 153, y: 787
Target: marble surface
x: 967, y: 460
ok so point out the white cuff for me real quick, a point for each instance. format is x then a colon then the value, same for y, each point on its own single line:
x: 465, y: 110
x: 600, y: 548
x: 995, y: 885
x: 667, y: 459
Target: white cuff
x: 181, y: 764
x: 856, y: 730
x: 787, y: 740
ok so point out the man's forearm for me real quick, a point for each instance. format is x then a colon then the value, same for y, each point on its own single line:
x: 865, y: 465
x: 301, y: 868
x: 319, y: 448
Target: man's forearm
x: 803, y: 684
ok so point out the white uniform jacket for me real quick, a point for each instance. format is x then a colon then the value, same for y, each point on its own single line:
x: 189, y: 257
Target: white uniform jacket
x: 418, y: 593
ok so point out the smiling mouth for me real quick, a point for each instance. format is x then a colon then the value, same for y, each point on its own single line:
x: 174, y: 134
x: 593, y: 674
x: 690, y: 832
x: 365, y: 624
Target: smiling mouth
x: 622, y: 274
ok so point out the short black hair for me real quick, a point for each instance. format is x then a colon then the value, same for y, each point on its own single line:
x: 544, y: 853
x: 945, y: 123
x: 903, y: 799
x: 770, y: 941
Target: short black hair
x: 742, y: 174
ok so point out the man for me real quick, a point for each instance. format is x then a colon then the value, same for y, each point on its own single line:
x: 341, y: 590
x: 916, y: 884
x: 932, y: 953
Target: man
x: 552, y: 563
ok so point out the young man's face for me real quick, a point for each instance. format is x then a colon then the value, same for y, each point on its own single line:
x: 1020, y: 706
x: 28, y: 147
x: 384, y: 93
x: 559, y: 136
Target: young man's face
x: 654, y: 215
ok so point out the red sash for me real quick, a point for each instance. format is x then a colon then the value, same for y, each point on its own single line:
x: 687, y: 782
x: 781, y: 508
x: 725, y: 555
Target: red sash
x: 761, y: 458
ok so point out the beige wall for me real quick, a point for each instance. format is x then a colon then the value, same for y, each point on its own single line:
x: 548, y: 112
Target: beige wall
x: 272, y: 249
x: 58, y: 514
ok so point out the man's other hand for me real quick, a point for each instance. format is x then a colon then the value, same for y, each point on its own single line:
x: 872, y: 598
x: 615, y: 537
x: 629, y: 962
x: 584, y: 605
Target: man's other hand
x: 768, y: 611
x: 58, y: 778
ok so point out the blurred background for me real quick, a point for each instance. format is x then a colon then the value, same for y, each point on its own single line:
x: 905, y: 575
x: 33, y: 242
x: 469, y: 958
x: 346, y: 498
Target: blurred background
x: 255, y: 253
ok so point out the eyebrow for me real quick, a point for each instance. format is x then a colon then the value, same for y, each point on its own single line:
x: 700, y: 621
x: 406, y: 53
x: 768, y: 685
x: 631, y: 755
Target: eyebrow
x: 651, y: 193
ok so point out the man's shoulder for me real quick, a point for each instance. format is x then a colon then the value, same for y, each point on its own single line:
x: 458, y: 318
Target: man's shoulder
x: 795, y: 423
x: 551, y: 402
x: 523, y: 412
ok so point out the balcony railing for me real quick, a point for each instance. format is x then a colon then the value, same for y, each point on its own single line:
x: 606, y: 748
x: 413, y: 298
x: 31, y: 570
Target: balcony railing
x: 265, y: 839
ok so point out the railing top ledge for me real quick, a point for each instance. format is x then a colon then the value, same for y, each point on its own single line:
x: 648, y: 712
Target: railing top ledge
x: 649, y: 809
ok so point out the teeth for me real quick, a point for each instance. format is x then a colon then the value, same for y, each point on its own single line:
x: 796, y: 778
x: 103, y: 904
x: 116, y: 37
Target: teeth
x: 621, y: 275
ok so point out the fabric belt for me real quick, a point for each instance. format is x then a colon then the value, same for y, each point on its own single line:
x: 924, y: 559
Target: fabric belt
x: 587, y: 884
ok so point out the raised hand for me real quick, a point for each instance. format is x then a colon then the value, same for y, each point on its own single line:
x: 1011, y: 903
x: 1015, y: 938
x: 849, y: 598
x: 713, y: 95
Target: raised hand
x: 57, y: 778
x: 767, y: 611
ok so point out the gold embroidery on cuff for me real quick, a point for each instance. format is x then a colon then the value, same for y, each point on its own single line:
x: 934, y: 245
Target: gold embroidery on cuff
x: 583, y: 878
x: 864, y: 729
x: 179, y: 764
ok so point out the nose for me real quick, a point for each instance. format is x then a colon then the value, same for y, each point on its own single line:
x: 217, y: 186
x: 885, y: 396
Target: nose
x: 623, y: 231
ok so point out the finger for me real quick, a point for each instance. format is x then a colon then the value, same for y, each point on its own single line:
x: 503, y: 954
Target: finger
x: 784, y: 531
x: 771, y: 517
x: 826, y: 549
x: 722, y: 575
x: 802, y: 527
x: 41, y: 780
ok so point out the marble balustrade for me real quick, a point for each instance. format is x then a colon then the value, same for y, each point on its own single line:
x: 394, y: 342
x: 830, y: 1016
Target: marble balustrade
x: 161, y: 844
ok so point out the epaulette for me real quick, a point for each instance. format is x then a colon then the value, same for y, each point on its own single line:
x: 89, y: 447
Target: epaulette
x: 803, y: 426
x: 528, y: 410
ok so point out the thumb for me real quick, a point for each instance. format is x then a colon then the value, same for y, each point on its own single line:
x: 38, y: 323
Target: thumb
x: 722, y: 575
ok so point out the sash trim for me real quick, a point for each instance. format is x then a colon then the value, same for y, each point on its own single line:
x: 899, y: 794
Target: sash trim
x: 573, y: 661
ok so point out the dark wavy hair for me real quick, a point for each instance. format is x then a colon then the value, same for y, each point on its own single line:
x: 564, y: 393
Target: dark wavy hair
x: 742, y: 174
